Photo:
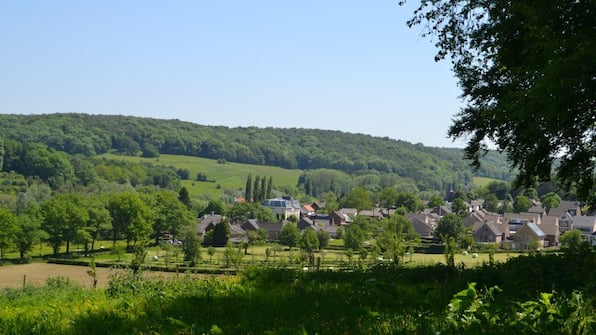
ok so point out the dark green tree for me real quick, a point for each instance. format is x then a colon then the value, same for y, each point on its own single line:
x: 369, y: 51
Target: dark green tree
x: 214, y: 206
x: 242, y: 211
x: 131, y: 217
x: 491, y: 203
x: 256, y: 191
x: 550, y: 200
x: 450, y: 226
x: 100, y: 222
x: 191, y: 245
x: 263, y: 188
x: 221, y: 234
x: 269, y: 188
x: 354, y: 237
x: 248, y: 197
x: 309, y: 243
x: 29, y: 230
x: 388, y: 197
x: 1, y: 154
x: 8, y: 229
x: 408, y: 200
x: 324, y: 238
x: 64, y: 215
x: 459, y: 207
x: 169, y: 214
x: 358, y: 198
x: 184, y: 197
x: 289, y: 235
x: 572, y: 240
x: 521, y: 204
x: 527, y: 75
x: 435, y: 201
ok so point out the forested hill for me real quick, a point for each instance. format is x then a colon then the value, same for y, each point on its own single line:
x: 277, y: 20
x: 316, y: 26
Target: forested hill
x: 288, y: 148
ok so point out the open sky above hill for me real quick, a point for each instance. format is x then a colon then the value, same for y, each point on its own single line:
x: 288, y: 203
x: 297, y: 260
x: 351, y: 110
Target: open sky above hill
x: 348, y: 65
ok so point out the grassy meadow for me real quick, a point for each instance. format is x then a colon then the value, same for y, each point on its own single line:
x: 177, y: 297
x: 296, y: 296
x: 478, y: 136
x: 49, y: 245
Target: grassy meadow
x: 220, y: 176
x: 483, y: 181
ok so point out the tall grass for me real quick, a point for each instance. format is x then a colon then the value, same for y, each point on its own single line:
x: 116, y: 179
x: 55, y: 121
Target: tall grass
x: 433, y: 299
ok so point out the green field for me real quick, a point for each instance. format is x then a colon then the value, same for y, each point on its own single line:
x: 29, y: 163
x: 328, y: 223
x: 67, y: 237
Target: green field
x: 231, y: 176
x: 483, y: 181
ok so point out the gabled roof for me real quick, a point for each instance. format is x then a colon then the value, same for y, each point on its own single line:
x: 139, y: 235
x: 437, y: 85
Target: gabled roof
x: 550, y: 225
x: 417, y: 217
x: 271, y: 226
x: 250, y: 224
x: 375, y: 212
x: 519, y: 218
x: 207, y: 222
x: 564, y: 207
x: 493, y: 228
x: 441, y: 210
x: 537, y: 209
x: 308, y: 208
x: 236, y: 230
x: 318, y: 204
x: 471, y: 219
x: 535, y: 230
x: 585, y: 223
x: 305, y: 223
x: 349, y: 211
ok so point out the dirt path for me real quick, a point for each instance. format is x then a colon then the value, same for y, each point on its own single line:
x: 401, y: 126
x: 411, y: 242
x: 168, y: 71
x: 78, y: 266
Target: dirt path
x: 38, y: 273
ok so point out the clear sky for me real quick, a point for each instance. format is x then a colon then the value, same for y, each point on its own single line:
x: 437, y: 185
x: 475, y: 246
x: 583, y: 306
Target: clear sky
x: 348, y: 65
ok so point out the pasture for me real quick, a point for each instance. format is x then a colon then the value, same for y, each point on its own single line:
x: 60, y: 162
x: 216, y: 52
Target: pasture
x: 483, y: 181
x: 220, y: 176
x: 336, y: 258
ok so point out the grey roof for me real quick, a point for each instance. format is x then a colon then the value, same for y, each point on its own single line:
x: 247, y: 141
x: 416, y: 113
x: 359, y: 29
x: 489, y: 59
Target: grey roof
x: 493, y: 228
x: 534, y: 228
x: 519, y: 218
x: 538, y: 209
x: 281, y: 203
x: 271, y: 226
x: 208, y: 221
x: 564, y: 207
x: 550, y: 225
x: 305, y: 223
x: 585, y: 223
x: 236, y: 230
x: 349, y: 211
x: 250, y: 224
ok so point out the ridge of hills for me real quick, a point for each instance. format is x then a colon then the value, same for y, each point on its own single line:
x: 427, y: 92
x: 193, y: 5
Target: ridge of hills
x: 429, y: 168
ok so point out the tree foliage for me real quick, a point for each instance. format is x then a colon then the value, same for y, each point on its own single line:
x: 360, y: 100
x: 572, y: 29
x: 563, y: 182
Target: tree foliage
x: 527, y: 73
x: 289, y: 235
x: 414, y: 166
x: 8, y: 228
x: 450, y: 226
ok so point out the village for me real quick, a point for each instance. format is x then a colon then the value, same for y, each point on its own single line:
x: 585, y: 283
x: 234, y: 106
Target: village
x: 538, y: 228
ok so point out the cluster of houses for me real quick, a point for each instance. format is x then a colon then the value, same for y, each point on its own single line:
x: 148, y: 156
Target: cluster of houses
x: 537, y: 228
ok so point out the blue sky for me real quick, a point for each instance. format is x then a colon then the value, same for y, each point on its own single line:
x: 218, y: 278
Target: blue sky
x: 345, y: 65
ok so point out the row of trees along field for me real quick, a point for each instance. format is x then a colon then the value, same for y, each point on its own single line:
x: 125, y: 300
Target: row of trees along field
x: 63, y: 172
x: 119, y: 212
x: 67, y: 199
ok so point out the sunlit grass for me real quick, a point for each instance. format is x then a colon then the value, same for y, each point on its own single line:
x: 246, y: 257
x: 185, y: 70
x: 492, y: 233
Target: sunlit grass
x: 220, y: 176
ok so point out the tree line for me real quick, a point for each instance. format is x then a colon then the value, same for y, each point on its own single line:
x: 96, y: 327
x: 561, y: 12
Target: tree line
x: 289, y: 148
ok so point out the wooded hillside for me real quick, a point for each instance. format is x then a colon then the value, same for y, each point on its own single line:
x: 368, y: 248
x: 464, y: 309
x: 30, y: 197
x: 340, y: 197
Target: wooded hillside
x: 430, y: 168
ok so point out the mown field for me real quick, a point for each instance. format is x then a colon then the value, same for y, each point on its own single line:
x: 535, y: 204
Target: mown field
x: 220, y: 176
x: 483, y: 181
x: 170, y: 259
